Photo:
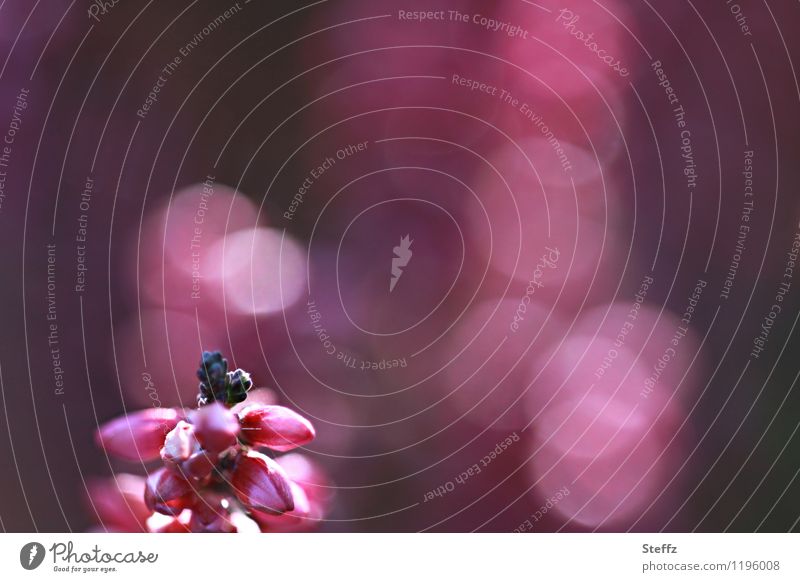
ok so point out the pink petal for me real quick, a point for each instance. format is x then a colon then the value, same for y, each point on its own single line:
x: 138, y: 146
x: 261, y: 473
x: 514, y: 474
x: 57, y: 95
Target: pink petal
x: 261, y: 396
x: 302, y: 506
x: 119, y: 502
x: 211, y: 514
x: 216, y: 427
x: 305, y: 517
x: 311, y: 477
x: 289, y: 522
x: 243, y: 523
x: 199, y: 465
x: 302, y: 470
x: 275, y: 427
x: 260, y: 483
x: 167, y: 492
x: 160, y: 523
x: 138, y: 436
x: 180, y: 443
x: 182, y: 453
x: 311, y: 505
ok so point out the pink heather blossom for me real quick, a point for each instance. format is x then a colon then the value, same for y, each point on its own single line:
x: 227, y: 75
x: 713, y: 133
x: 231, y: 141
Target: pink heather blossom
x: 183, y: 452
x: 211, y: 515
x: 137, y: 436
x: 213, y: 478
x: 260, y: 483
x: 180, y: 443
x: 160, y: 523
x: 118, y: 502
x: 275, y: 427
x: 168, y: 492
x: 312, y: 495
x: 217, y: 427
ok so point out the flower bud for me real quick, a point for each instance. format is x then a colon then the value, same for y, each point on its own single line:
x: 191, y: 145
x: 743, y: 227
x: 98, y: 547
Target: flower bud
x: 199, y: 465
x: 311, y: 492
x: 275, y: 427
x: 213, y: 370
x: 306, y: 515
x: 167, y: 492
x: 180, y: 443
x: 215, y: 427
x: 211, y: 514
x: 262, y: 396
x: 138, y: 436
x: 260, y: 483
x: 239, y: 383
x: 182, y: 452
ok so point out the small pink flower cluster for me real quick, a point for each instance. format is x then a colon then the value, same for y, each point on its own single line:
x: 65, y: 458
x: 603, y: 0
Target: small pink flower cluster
x: 214, y: 477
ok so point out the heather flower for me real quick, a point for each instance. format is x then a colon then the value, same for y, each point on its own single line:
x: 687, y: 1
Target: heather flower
x: 311, y: 492
x: 160, y: 523
x: 180, y: 443
x: 212, y: 371
x: 275, y: 427
x: 182, y: 452
x: 168, y: 492
x: 215, y: 477
x: 260, y: 483
x: 216, y: 426
x: 137, y: 436
x: 217, y: 384
x: 118, y: 502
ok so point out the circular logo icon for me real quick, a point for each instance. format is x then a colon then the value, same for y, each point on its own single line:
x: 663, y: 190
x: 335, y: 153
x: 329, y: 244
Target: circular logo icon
x: 31, y: 555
